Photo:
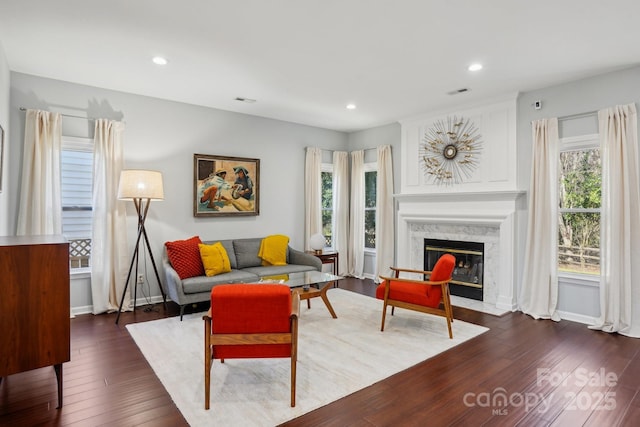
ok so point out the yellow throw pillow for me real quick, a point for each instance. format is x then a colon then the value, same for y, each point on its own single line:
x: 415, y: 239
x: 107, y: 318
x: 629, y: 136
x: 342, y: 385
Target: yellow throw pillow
x: 273, y: 250
x: 214, y: 259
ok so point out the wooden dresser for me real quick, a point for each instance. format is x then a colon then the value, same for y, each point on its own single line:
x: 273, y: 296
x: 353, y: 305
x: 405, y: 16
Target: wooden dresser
x: 34, y: 304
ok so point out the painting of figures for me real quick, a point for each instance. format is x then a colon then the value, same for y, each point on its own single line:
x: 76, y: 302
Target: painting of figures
x: 226, y: 186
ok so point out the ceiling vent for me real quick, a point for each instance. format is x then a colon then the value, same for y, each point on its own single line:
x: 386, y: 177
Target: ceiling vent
x: 457, y: 91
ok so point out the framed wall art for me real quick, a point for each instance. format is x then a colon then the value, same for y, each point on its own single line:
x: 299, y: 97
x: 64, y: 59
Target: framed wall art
x: 451, y: 150
x: 225, y: 186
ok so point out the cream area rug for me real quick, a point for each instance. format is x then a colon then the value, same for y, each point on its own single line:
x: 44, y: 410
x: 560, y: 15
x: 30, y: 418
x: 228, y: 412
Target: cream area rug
x: 336, y: 358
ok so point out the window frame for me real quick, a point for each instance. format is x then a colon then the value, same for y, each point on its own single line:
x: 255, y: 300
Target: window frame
x: 328, y: 168
x: 371, y: 167
x: 74, y: 143
x: 575, y: 143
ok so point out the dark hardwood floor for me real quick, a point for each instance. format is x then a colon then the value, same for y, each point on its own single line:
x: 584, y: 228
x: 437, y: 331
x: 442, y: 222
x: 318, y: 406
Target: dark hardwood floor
x: 109, y: 382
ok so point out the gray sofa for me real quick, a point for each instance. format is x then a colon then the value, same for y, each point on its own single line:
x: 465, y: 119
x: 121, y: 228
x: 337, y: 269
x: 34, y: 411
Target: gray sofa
x: 246, y: 267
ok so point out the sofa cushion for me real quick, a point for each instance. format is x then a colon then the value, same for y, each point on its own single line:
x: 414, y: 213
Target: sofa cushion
x: 273, y: 250
x: 247, y: 252
x: 228, y: 246
x: 184, y: 256
x: 215, y: 259
x: 195, y: 285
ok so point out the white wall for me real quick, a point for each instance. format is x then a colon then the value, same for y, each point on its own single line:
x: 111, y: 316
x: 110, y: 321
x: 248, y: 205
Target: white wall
x: 4, y: 122
x: 370, y: 139
x: 164, y: 135
x: 581, y: 96
x: 575, y: 301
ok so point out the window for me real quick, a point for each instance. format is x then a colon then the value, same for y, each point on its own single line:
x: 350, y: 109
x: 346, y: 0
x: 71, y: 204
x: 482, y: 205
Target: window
x: 579, y: 192
x: 370, y: 178
x: 76, y: 170
x: 327, y: 204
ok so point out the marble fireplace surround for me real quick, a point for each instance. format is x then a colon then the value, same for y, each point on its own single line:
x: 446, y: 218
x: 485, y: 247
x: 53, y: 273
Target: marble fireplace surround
x: 488, y: 218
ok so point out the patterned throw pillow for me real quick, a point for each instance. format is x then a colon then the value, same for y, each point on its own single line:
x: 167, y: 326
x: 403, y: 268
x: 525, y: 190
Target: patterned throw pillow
x: 184, y: 256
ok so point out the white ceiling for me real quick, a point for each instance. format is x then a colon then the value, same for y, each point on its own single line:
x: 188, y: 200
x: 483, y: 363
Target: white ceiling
x: 304, y: 60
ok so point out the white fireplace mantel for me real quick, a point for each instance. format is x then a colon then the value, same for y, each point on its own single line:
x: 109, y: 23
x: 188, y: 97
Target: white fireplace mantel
x: 471, y: 196
x: 488, y: 217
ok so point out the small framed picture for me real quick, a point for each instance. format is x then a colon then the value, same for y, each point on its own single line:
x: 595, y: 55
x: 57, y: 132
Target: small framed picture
x: 225, y: 186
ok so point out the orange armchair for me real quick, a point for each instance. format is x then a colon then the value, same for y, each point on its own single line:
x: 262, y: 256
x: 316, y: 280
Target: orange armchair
x: 424, y: 296
x: 251, y: 321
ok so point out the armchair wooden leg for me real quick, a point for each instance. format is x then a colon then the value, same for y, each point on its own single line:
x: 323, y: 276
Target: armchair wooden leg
x: 207, y: 385
x: 294, y: 353
x: 207, y: 364
x: 448, y: 309
x: 293, y: 382
x: 449, y: 315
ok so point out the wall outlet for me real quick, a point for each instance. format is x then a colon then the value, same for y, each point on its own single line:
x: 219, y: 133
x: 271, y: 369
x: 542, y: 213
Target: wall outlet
x: 140, y: 279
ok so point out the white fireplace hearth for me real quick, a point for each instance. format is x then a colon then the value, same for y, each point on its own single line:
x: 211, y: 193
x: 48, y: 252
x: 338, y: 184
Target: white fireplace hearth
x: 488, y: 218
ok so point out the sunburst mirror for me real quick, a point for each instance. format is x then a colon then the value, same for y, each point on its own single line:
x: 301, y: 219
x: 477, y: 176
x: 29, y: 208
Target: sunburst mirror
x: 450, y: 150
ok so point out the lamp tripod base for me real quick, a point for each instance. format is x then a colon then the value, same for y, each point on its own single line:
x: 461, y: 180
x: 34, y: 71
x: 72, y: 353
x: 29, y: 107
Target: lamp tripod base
x: 134, y: 260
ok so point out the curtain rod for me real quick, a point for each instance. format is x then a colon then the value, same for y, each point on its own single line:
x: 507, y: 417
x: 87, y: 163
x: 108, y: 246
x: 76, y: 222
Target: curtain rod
x: 66, y: 115
x: 347, y: 151
x: 578, y: 115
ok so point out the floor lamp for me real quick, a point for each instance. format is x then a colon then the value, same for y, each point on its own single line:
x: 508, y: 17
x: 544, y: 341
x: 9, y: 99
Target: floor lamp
x: 140, y: 186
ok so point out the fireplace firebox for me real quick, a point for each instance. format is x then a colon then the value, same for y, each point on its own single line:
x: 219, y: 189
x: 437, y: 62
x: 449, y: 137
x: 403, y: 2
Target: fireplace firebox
x: 468, y: 274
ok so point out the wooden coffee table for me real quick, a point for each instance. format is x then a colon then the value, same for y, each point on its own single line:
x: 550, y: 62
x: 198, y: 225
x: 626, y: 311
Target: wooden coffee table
x: 308, y: 285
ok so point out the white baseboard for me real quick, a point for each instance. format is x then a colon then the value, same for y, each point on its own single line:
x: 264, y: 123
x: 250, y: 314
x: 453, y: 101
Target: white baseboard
x: 84, y: 309
x: 88, y: 309
x: 506, y: 304
x: 575, y: 317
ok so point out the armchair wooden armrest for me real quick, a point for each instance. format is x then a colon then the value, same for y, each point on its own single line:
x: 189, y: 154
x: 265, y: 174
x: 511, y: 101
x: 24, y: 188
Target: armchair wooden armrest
x: 417, y: 282
x: 408, y: 270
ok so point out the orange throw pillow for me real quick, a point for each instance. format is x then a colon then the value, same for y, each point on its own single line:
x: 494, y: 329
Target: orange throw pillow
x: 184, y: 256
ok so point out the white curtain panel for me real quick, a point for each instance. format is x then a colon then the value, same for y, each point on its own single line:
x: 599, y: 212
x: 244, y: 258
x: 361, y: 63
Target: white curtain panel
x: 385, y: 235
x: 355, y: 255
x: 110, y: 256
x: 539, y: 292
x: 312, y: 194
x: 620, y: 222
x: 40, y: 210
x: 341, y: 207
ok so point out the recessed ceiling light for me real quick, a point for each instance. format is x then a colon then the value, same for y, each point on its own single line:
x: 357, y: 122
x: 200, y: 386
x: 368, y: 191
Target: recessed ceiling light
x: 475, y: 67
x: 351, y: 106
x: 159, y: 60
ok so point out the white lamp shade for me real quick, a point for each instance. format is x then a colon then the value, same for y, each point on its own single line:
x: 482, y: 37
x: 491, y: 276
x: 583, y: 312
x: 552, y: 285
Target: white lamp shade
x: 140, y: 184
x: 317, y: 242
